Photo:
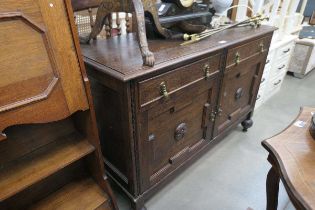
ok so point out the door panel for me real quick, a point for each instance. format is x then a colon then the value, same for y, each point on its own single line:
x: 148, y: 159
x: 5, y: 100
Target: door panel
x: 27, y: 68
x: 183, y: 127
x: 39, y: 65
x: 239, y: 89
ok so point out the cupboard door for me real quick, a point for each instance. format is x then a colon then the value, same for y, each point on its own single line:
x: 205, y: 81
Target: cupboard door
x: 238, y: 93
x: 39, y: 66
x: 176, y: 129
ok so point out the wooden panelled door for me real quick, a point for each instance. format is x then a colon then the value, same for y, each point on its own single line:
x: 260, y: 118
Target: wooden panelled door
x: 238, y: 92
x: 33, y: 59
x: 170, y: 135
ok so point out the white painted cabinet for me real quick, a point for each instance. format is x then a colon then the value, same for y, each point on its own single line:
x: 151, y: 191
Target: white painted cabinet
x: 275, y: 68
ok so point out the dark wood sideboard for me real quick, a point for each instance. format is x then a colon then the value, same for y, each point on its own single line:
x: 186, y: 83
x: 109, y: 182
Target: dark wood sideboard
x: 50, y: 154
x: 154, y: 121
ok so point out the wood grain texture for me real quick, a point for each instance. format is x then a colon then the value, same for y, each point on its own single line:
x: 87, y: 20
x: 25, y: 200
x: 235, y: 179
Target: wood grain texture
x: 47, y: 128
x: 169, y: 113
x: 35, y: 166
x: 292, y: 153
x: 34, y: 60
x: 82, y: 194
x: 120, y: 56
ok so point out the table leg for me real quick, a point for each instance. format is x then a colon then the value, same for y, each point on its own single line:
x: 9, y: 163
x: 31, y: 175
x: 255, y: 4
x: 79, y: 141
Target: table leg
x: 272, y: 187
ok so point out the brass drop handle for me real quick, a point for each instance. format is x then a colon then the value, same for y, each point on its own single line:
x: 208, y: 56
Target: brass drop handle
x: 213, y: 114
x: 237, y: 58
x: 220, y: 111
x: 262, y: 47
x: 206, y: 69
x: 163, y: 90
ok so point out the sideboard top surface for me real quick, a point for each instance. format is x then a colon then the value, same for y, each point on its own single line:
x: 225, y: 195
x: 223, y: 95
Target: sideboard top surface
x: 120, y: 56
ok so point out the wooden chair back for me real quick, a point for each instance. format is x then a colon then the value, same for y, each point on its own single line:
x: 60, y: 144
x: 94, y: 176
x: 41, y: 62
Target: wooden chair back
x: 116, y: 24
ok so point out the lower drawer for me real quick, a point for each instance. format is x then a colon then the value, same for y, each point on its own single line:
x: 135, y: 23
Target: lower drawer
x: 280, y: 68
x: 274, y: 86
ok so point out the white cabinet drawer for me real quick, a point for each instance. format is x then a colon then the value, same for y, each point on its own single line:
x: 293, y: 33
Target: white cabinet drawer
x: 273, y: 86
x: 285, y: 51
x: 279, y: 69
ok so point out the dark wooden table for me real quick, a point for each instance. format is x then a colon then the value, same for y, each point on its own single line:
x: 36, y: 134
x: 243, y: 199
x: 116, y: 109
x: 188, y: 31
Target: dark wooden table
x: 292, y: 155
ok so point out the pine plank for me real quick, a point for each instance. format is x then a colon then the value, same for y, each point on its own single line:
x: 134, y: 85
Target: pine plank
x: 42, y: 163
x: 83, y: 194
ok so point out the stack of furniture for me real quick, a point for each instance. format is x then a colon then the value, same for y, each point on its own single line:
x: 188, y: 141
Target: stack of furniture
x: 284, y: 16
x: 50, y: 155
x: 303, y: 60
x: 154, y: 122
x: 292, y: 156
x: 276, y: 67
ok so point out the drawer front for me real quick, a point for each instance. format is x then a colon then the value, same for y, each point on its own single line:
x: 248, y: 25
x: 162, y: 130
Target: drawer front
x: 279, y: 69
x: 156, y: 88
x: 253, y: 48
x: 284, y: 51
x: 274, y: 86
x: 174, y: 131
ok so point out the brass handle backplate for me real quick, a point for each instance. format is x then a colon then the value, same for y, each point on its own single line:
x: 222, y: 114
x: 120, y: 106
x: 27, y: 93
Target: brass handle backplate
x: 206, y: 69
x: 262, y: 47
x: 220, y: 112
x: 163, y: 90
x: 237, y: 58
x: 212, y: 116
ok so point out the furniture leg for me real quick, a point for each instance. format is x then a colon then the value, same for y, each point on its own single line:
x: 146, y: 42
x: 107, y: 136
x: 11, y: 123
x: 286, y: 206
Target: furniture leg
x: 272, y: 189
x: 247, y: 123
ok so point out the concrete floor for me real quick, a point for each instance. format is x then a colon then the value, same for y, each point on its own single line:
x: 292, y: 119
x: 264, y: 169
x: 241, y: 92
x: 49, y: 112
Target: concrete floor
x: 232, y: 175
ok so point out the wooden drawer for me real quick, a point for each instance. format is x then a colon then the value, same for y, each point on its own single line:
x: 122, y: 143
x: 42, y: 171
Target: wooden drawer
x: 151, y: 90
x: 245, y: 51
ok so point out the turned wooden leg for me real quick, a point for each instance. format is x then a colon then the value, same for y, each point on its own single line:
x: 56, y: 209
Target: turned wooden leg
x: 272, y: 189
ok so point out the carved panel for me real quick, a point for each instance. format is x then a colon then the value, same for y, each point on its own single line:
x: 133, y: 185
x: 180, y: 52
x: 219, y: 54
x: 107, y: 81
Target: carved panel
x: 27, y: 70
